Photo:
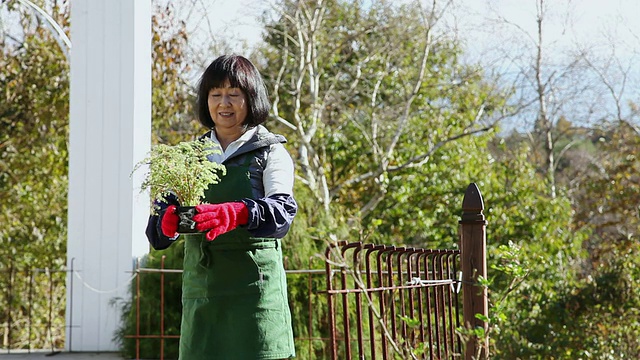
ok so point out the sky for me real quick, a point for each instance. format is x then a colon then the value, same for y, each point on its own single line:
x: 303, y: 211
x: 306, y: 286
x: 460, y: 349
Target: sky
x: 488, y: 29
x: 598, y: 23
x: 604, y: 30
x: 589, y: 20
x: 235, y: 20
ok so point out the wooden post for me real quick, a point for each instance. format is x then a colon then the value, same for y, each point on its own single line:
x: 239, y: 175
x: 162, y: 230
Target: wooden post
x: 473, y: 246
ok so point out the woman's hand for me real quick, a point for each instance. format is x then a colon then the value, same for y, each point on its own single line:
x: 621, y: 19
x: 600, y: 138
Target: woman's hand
x: 220, y: 218
x: 169, y: 222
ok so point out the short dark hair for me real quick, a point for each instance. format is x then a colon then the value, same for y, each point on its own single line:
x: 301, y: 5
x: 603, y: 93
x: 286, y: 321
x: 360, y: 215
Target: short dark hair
x: 241, y: 73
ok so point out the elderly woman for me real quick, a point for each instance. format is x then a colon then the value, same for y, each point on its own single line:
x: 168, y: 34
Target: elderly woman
x: 234, y: 291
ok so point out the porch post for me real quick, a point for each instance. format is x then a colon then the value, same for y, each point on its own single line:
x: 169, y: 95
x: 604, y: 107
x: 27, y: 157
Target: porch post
x: 110, y: 129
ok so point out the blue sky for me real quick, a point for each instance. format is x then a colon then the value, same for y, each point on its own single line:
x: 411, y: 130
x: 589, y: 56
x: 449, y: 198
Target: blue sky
x: 588, y: 21
x: 491, y: 29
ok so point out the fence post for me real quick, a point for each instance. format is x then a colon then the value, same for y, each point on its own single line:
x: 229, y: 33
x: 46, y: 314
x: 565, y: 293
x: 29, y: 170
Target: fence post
x: 473, y: 258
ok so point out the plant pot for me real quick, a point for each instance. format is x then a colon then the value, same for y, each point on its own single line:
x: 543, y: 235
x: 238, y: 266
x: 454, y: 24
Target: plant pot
x: 186, y: 225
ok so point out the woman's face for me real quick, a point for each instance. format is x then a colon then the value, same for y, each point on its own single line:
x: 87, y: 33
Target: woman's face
x: 228, y: 107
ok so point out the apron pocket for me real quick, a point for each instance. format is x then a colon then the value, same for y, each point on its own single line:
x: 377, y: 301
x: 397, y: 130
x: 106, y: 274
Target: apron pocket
x: 269, y: 261
x: 194, y: 277
x: 233, y: 272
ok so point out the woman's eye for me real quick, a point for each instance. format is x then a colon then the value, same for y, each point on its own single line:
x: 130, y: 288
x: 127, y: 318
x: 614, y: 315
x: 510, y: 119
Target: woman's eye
x: 215, y: 95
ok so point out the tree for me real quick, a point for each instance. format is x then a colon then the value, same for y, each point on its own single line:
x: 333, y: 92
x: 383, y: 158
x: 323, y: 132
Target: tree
x: 173, y: 117
x: 524, y: 219
x: 397, y: 129
x: 34, y: 117
x: 368, y: 91
x: 606, y: 203
x: 565, y: 98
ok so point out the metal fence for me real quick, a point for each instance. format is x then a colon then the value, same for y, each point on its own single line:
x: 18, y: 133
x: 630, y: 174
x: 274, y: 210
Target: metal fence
x: 35, y: 294
x: 381, y: 302
x: 32, y: 308
x: 314, y: 298
x: 388, y: 301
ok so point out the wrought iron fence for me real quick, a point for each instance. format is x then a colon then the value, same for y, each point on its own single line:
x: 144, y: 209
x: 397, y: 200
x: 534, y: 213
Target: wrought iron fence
x: 380, y: 301
x: 32, y: 308
x: 306, y: 344
x: 387, y: 302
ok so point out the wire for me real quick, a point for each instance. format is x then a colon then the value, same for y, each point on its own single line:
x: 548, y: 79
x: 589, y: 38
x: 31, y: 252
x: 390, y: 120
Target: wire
x: 126, y: 283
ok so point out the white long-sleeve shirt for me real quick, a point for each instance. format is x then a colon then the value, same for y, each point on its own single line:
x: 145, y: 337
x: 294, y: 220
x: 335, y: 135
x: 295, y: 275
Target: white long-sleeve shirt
x: 278, y: 173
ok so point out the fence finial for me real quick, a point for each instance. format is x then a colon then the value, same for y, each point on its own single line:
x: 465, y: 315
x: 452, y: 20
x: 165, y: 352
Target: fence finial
x: 472, y: 205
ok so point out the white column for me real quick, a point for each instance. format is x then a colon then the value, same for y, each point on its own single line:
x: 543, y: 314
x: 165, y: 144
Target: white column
x: 110, y: 131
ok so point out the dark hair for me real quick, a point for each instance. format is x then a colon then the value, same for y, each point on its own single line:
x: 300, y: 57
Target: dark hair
x: 241, y: 73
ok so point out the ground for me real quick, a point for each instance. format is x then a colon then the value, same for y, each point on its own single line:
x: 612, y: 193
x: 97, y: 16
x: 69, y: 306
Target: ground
x: 21, y: 355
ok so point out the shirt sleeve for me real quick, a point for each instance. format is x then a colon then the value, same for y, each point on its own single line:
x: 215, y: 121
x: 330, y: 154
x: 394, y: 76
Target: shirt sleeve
x: 271, y: 216
x: 279, y: 172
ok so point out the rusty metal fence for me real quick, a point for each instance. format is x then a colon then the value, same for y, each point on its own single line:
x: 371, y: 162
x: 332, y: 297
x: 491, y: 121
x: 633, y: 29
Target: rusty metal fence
x: 381, y: 301
x: 32, y: 308
x: 387, y: 302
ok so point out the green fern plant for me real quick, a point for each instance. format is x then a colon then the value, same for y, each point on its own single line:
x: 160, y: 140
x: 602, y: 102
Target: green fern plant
x: 183, y: 170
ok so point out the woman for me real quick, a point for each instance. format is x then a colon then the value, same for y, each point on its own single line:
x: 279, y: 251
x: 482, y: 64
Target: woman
x: 234, y: 292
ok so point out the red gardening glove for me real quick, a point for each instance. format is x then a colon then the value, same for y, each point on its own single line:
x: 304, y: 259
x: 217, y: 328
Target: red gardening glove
x: 169, y: 222
x: 220, y: 218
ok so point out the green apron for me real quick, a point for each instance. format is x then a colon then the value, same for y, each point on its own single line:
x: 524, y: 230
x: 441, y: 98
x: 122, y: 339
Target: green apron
x: 234, y: 289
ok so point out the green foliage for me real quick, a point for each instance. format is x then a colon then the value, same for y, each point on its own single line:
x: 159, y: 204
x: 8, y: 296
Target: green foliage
x: 34, y: 116
x: 183, y: 170
x: 423, y: 205
x: 599, y: 318
x: 522, y: 215
x: 172, y: 95
x: 585, y: 310
x: 145, y: 304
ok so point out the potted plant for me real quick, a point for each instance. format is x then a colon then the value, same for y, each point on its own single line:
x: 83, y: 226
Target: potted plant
x: 183, y: 170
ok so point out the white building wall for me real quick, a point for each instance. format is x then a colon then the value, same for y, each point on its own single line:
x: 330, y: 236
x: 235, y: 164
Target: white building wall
x: 110, y: 129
